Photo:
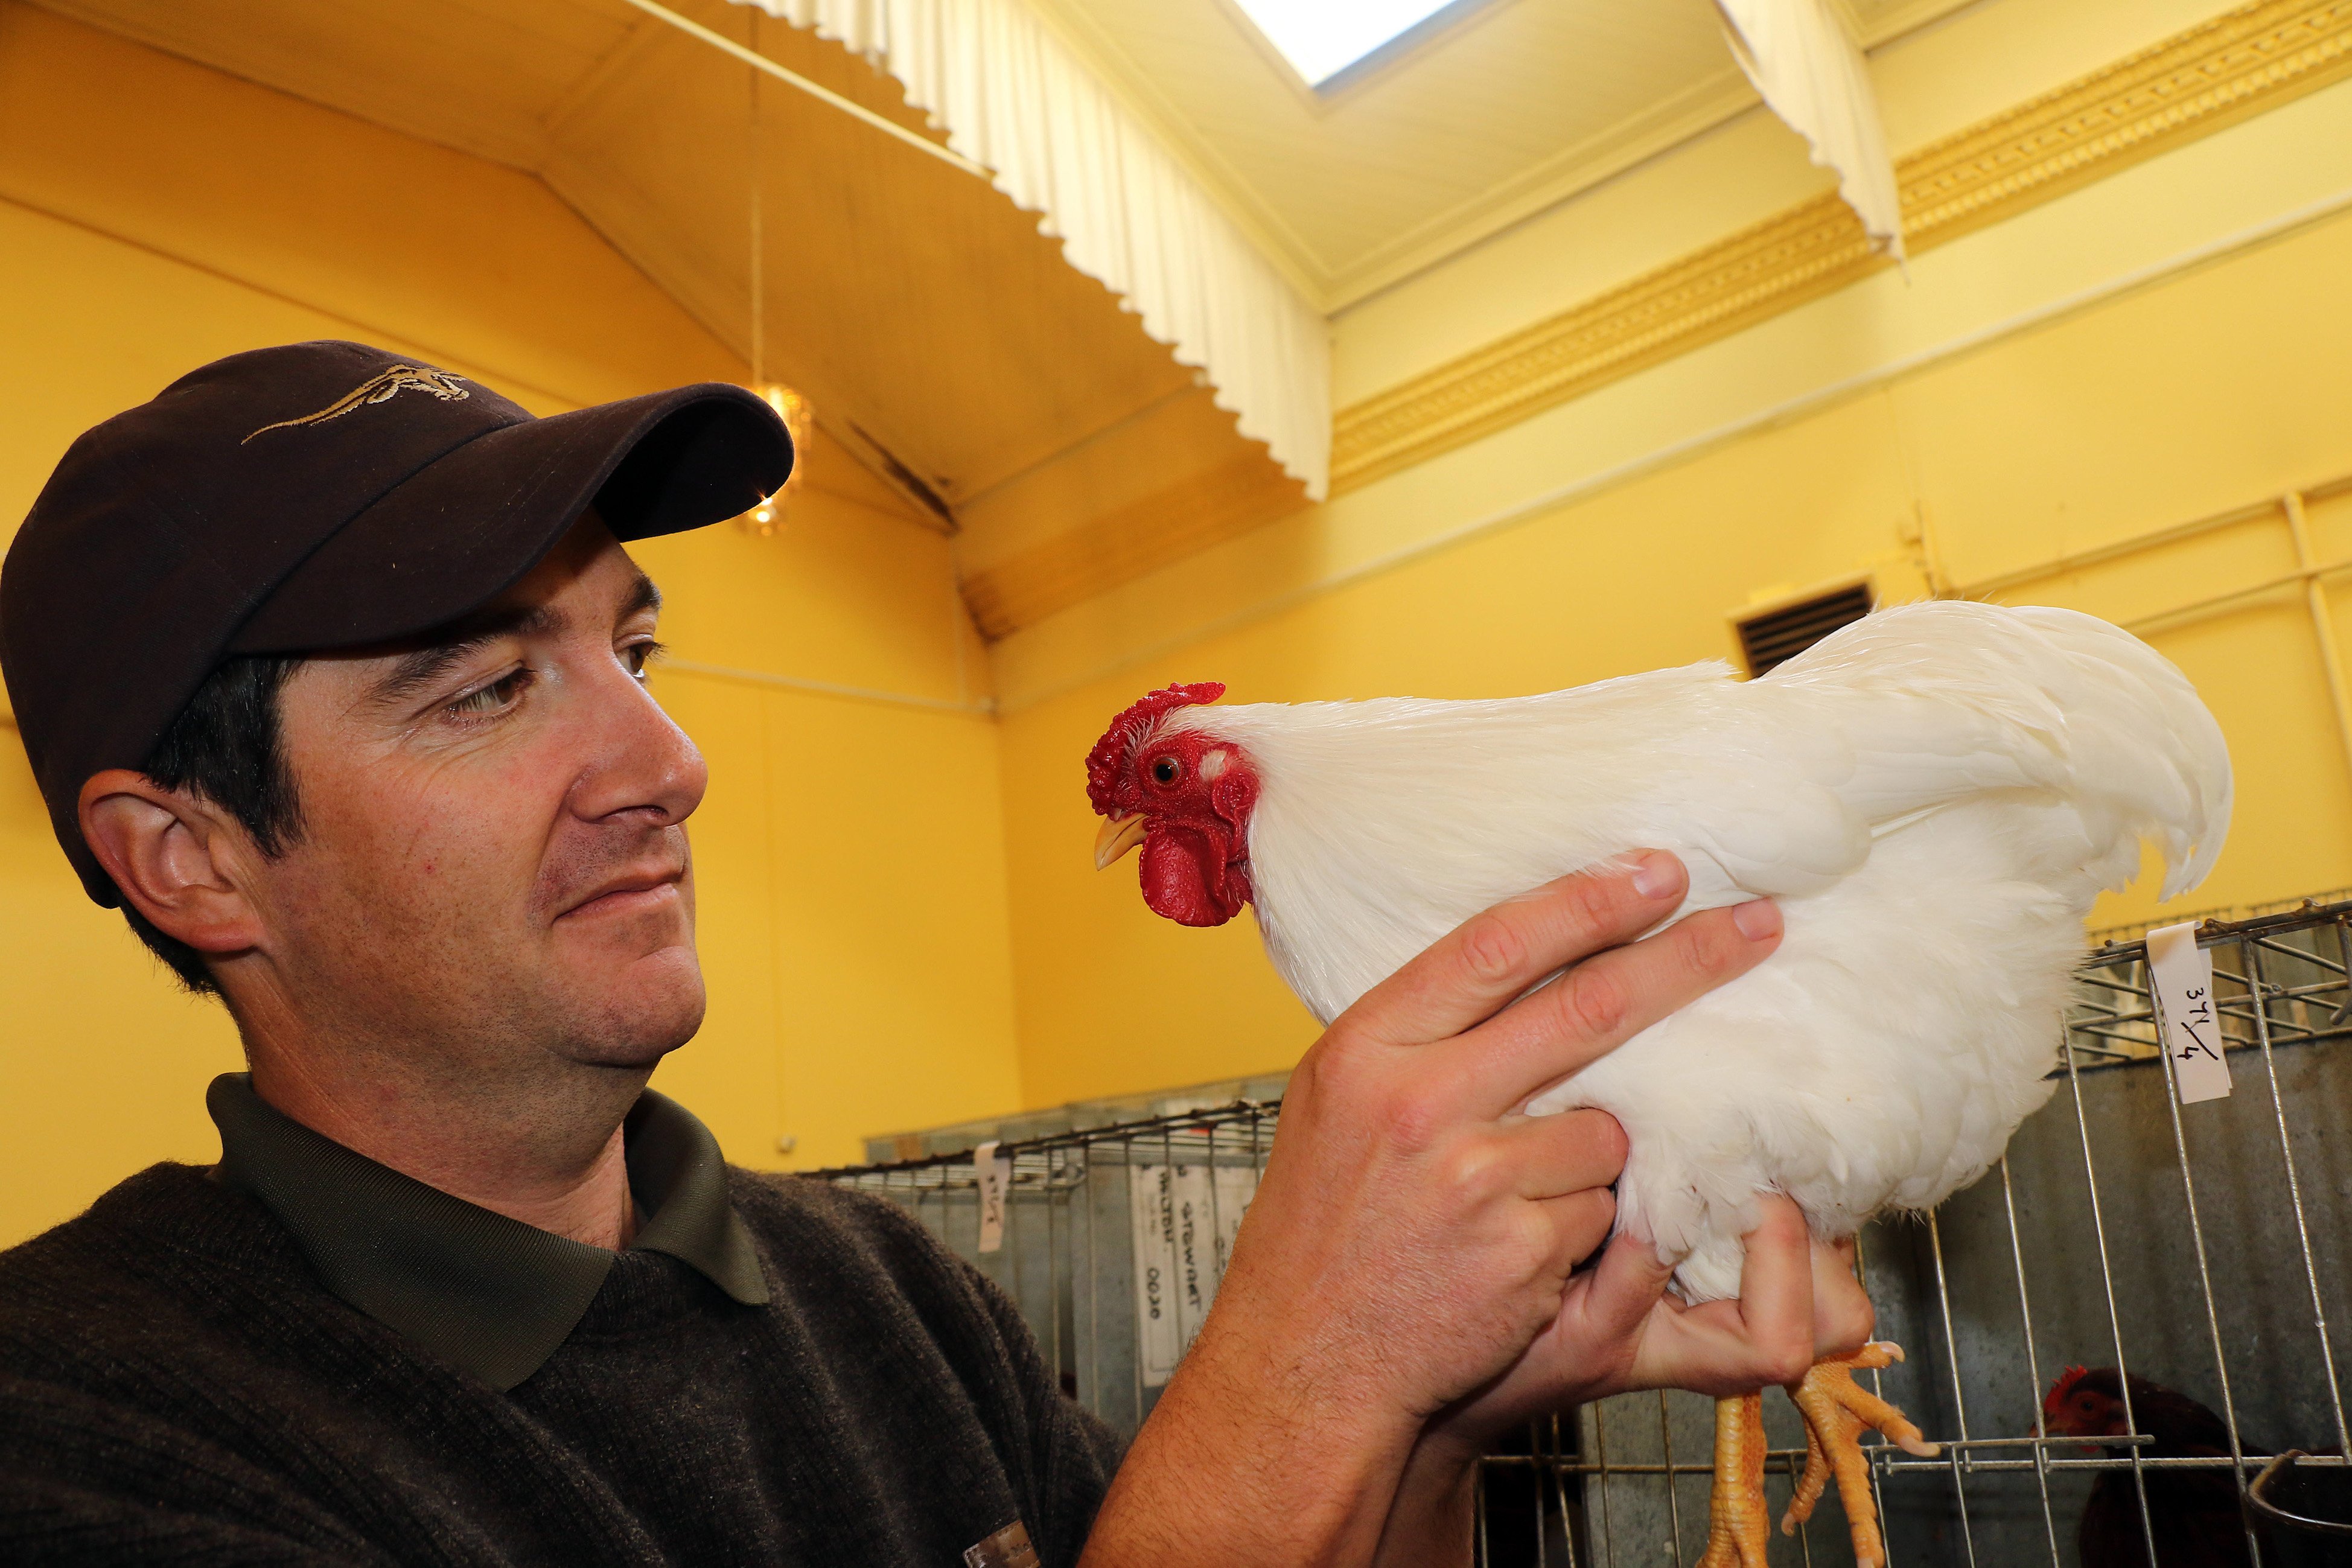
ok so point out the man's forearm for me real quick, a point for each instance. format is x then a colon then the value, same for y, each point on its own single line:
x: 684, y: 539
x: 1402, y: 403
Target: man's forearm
x: 1431, y: 1523
x: 1245, y: 1465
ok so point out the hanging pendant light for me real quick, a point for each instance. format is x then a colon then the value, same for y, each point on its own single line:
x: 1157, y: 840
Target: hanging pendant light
x: 791, y: 407
x: 800, y: 422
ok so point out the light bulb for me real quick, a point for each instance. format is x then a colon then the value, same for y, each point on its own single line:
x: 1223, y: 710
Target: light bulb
x: 800, y: 423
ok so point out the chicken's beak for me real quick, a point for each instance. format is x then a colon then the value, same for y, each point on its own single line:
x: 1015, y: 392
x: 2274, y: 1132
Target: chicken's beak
x: 1118, y: 835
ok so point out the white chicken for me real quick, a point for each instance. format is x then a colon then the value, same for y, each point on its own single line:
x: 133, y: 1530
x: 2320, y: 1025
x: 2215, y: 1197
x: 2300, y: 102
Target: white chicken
x: 1935, y: 794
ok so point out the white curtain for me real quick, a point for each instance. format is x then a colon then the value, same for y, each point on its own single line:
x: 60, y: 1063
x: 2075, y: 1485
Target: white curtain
x: 1013, y: 96
x: 1813, y: 75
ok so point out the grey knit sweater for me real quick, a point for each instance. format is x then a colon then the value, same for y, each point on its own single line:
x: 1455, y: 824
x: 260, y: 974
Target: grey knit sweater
x: 176, y: 1385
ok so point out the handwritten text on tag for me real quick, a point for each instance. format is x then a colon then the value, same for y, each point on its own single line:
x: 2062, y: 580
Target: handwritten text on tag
x: 1186, y: 1217
x: 994, y: 1174
x: 2183, y: 973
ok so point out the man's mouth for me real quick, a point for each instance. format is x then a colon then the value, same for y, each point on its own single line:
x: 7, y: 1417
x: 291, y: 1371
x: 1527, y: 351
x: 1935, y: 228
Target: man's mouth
x: 632, y: 893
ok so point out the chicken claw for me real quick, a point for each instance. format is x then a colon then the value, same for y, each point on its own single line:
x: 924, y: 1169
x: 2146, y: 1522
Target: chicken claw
x: 1736, y: 1524
x: 1837, y: 1409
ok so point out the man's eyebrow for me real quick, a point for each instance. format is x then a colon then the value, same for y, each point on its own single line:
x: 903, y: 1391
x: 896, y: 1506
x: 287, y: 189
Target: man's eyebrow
x: 643, y: 596
x: 458, y: 640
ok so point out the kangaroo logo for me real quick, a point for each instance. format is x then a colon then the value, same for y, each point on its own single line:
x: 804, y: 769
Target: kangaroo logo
x: 399, y: 378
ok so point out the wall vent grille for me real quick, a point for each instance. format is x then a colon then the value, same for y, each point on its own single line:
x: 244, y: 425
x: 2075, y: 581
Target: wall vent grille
x: 1777, y: 635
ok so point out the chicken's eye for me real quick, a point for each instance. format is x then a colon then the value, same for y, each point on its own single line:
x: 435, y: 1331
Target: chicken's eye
x: 1165, y: 770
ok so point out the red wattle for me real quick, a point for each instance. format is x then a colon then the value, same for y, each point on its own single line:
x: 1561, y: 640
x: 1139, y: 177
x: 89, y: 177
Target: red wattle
x: 1185, y: 878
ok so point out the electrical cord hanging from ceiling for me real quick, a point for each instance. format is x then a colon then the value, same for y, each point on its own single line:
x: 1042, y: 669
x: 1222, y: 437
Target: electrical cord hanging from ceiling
x: 759, y: 269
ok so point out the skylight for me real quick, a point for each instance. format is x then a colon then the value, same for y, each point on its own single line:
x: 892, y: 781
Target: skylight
x: 1320, y: 39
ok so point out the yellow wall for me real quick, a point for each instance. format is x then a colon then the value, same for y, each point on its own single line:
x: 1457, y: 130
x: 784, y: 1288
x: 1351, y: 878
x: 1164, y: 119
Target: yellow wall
x: 154, y: 215
x: 893, y: 893
x: 2155, y: 347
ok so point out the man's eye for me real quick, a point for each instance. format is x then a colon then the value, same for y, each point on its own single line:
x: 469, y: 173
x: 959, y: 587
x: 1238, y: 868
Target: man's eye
x: 497, y: 696
x: 635, y: 655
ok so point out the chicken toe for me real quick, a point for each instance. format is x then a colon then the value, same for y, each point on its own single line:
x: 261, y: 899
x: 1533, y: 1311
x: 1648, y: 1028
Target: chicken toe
x: 1809, y: 1486
x: 1737, y: 1523
x: 1836, y: 1410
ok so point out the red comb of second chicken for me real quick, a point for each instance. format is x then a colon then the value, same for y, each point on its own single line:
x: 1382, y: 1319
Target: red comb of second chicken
x: 2059, y: 1390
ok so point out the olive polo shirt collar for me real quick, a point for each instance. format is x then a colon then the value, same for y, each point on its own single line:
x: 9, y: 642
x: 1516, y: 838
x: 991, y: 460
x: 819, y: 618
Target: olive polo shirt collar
x: 488, y: 1295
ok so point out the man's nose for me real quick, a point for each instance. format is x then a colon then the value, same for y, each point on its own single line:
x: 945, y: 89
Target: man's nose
x: 642, y: 762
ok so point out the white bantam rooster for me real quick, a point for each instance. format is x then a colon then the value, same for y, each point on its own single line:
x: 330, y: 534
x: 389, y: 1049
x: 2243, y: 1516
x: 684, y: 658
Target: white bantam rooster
x: 1935, y: 793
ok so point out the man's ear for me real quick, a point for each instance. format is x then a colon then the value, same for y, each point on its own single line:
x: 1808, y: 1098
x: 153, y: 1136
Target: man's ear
x: 174, y: 859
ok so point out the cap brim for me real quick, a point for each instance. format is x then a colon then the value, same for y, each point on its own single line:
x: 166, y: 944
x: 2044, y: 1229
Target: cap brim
x: 468, y: 526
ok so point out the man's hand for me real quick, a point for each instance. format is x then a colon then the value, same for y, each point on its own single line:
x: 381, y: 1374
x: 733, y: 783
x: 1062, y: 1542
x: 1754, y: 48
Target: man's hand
x: 1618, y: 1330
x: 1413, y: 1235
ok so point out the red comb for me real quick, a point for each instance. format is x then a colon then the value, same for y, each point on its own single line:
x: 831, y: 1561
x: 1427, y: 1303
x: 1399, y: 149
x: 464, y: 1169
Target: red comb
x: 1111, y: 752
x: 2063, y: 1386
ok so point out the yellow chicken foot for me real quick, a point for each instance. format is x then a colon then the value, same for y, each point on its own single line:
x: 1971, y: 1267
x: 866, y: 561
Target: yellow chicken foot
x: 1736, y: 1524
x: 1837, y: 1409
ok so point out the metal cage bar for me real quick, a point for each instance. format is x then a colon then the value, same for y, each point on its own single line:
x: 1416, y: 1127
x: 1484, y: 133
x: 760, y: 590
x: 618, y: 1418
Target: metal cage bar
x: 2004, y: 1283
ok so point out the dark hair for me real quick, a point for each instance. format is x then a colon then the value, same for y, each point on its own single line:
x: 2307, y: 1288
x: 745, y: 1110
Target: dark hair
x: 225, y: 747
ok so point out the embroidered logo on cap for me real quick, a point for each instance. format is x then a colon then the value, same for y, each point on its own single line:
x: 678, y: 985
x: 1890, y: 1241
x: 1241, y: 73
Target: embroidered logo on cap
x: 399, y: 378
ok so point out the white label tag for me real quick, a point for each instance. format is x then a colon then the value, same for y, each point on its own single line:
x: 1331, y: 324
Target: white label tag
x: 994, y: 1174
x: 1008, y: 1547
x: 2183, y: 972
x: 1185, y: 1223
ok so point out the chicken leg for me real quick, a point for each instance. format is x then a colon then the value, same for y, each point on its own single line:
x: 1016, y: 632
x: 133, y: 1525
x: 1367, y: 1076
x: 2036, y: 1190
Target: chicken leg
x: 1736, y: 1524
x: 1836, y: 1410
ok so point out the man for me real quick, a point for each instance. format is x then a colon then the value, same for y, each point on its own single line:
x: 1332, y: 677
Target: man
x: 330, y: 665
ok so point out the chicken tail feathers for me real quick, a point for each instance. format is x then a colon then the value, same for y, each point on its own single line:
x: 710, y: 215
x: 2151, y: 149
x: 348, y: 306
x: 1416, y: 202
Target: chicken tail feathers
x: 2058, y: 700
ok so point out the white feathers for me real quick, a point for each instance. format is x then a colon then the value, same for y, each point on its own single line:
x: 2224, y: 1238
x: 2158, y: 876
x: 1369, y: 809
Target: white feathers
x: 1935, y: 794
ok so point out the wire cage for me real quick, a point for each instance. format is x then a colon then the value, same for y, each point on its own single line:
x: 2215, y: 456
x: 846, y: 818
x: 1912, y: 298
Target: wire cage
x: 2197, y: 1246
x: 1112, y: 1240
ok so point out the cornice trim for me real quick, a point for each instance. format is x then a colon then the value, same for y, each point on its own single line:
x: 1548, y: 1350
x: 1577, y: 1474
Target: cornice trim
x: 2241, y: 63
x: 1019, y: 698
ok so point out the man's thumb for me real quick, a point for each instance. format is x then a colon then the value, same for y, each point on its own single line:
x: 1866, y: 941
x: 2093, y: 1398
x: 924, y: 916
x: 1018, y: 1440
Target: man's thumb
x: 1626, y: 1283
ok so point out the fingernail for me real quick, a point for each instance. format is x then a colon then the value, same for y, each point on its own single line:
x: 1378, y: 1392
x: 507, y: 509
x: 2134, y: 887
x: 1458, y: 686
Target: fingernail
x: 1657, y: 874
x: 1757, y: 920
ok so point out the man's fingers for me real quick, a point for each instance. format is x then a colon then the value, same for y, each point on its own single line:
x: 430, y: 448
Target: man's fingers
x: 1581, y: 1221
x: 1608, y: 999
x: 1842, y: 1315
x: 1624, y: 1287
x: 1493, y: 956
x: 1737, y: 1347
x: 1775, y: 1291
x: 1554, y: 1155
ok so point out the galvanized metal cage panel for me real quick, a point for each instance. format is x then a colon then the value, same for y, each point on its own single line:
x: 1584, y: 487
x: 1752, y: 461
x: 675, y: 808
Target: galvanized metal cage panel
x: 2203, y: 1246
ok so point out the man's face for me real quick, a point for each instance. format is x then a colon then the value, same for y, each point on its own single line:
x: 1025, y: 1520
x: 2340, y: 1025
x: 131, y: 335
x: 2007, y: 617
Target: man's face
x: 492, y: 866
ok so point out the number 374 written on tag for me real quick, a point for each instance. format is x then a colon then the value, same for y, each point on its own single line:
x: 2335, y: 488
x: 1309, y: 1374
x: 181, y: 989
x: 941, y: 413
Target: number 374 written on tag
x: 2183, y: 976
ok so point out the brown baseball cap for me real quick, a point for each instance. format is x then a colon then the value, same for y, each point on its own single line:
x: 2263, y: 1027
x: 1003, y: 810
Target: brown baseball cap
x: 318, y: 496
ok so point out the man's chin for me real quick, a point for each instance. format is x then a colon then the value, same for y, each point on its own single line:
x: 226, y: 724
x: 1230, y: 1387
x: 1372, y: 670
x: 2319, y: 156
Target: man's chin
x: 645, y: 1008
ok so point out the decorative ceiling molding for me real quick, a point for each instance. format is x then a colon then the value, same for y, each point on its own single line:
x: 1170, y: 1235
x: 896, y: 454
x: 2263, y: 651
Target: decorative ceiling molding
x: 2241, y: 63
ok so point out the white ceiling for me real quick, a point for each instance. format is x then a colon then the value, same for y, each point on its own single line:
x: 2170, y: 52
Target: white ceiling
x: 1511, y: 106
x: 939, y: 332
x: 945, y: 341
